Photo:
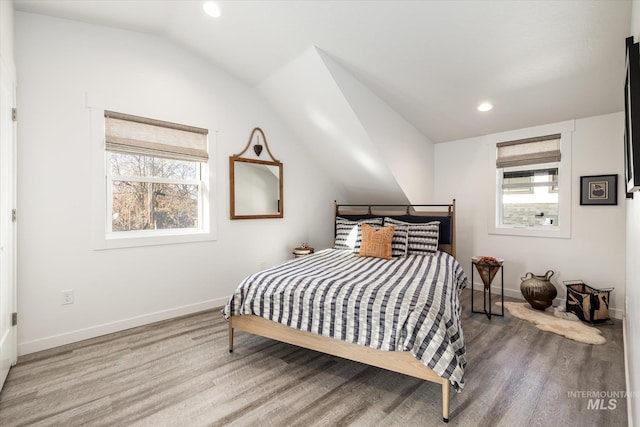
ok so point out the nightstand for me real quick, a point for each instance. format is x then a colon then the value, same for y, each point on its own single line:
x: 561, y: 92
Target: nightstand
x: 301, y: 251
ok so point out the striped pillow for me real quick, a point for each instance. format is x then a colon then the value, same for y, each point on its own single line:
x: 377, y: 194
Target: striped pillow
x: 349, y: 234
x: 400, y: 241
x: 423, y: 237
x: 376, y: 242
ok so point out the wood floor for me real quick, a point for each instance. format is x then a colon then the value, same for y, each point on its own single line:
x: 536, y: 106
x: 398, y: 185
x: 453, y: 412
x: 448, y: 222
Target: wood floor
x: 179, y: 373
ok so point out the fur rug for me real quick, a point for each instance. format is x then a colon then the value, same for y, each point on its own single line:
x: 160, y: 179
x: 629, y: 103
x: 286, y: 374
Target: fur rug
x: 546, y: 321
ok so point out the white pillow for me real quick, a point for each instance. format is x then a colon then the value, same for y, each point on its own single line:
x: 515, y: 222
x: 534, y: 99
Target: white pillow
x: 349, y: 234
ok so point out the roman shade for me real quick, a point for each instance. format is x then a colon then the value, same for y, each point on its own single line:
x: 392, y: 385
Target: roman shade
x: 530, y: 151
x: 129, y: 134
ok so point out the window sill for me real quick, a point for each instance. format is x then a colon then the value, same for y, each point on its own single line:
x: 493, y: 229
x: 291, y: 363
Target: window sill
x: 138, y: 239
x: 558, y: 233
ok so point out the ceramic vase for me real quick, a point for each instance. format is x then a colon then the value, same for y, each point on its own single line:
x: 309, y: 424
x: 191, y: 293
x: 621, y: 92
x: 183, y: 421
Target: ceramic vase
x: 538, y: 290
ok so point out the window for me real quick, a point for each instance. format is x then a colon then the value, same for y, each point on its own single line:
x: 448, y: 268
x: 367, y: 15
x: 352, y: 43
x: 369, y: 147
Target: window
x: 517, y: 182
x: 528, y: 196
x: 152, y: 193
x: 533, y: 186
x: 156, y: 174
x: 523, y: 181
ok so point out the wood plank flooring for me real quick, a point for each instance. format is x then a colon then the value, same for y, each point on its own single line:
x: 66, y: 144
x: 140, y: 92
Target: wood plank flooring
x: 179, y: 373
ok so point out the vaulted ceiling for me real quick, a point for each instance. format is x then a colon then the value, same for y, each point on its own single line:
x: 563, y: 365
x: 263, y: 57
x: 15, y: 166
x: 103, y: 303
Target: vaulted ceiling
x: 432, y: 62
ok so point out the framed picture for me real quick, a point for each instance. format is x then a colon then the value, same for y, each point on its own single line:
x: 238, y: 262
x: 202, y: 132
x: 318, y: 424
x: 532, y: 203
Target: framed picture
x: 599, y: 190
x: 632, y: 117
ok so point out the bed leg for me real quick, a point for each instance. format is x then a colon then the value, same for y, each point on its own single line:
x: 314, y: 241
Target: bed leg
x: 230, y: 337
x: 446, y: 394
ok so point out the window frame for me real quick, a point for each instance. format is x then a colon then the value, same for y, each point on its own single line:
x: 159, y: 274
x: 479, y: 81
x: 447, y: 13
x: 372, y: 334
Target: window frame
x: 500, y: 184
x: 565, y: 197
x: 104, y: 238
x: 152, y: 180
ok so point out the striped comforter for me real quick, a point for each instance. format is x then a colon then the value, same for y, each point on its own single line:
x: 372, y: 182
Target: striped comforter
x: 409, y: 304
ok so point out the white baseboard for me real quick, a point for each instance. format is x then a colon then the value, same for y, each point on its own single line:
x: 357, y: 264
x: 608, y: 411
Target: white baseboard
x: 111, y: 327
x: 615, y: 313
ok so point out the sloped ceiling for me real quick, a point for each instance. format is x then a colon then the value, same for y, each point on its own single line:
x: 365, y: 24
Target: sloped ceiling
x: 307, y: 94
x: 370, y: 86
x: 432, y: 61
x: 405, y: 151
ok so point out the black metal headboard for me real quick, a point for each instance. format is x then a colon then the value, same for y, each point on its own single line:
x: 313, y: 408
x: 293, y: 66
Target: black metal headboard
x: 445, y: 214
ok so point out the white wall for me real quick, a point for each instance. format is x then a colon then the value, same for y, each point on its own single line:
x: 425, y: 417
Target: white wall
x: 406, y: 151
x: 307, y: 95
x: 595, y: 252
x: 63, y: 65
x: 632, y: 318
x: 376, y: 155
x: 6, y: 33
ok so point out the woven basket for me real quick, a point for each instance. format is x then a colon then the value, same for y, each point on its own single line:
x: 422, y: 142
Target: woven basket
x: 589, y: 304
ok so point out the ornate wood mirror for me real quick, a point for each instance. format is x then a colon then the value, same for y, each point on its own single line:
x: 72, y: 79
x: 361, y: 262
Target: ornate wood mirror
x: 256, y: 185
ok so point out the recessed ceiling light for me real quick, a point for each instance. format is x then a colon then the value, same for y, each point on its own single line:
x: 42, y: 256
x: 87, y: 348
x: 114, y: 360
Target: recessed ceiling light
x: 211, y: 9
x: 485, y: 106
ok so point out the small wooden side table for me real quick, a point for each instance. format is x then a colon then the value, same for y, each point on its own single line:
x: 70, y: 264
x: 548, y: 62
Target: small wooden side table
x: 302, y: 251
x: 488, y: 270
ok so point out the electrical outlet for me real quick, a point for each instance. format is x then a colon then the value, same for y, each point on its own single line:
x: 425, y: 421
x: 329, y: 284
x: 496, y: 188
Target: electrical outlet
x: 66, y: 297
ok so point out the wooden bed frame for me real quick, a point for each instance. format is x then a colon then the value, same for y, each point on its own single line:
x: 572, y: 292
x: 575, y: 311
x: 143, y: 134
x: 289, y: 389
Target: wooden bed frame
x: 397, y: 361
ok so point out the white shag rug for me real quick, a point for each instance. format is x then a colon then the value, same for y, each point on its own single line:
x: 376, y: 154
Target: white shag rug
x: 546, y: 321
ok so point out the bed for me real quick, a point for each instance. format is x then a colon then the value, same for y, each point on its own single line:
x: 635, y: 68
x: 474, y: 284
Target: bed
x: 398, y: 311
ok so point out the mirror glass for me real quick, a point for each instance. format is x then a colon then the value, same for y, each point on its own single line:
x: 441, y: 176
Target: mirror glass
x: 256, y: 188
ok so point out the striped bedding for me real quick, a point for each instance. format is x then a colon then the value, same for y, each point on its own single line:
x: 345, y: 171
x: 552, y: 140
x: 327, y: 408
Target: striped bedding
x: 408, y: 304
